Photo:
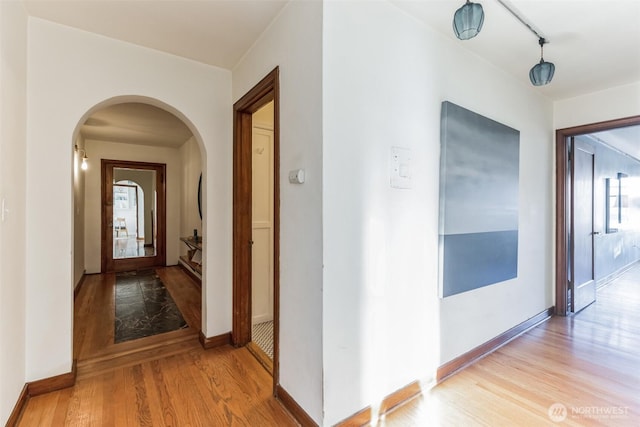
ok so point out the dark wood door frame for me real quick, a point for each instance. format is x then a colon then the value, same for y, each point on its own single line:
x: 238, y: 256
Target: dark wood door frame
x: 135, y: 187
x: 108, y: 264
x: 563, y: 202
x: 265, y: 91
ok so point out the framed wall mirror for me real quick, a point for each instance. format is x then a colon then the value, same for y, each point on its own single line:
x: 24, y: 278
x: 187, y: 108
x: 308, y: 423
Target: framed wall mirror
x: 200, y: 196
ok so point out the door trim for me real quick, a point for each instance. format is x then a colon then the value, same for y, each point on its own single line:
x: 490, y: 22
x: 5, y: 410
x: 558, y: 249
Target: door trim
x: 108, y: 264
x: 563, y: 199
x: 265, y: 91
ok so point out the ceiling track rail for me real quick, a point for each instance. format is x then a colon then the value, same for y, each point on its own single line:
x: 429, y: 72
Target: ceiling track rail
x: 511, y: 9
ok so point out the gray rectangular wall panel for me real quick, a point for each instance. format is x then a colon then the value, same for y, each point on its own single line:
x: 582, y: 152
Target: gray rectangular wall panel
x: 479, y: 182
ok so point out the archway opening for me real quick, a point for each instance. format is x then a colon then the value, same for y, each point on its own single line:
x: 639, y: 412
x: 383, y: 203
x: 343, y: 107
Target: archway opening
x: 146, y: 131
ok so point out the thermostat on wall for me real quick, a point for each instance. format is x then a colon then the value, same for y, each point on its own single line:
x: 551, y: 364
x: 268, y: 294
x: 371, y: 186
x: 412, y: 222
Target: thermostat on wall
x: 296, y: 176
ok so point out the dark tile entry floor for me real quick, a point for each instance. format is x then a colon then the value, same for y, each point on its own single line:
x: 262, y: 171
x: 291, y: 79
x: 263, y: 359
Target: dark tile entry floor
x: 144, y: 306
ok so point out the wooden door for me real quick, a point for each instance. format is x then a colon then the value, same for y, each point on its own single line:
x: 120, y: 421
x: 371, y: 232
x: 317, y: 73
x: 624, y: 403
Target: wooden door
x: 582, y: 284
x: 262, y: 226
x: 112, y: 230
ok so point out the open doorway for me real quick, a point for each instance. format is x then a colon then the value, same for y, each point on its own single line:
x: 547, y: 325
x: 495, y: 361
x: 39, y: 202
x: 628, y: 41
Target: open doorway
x: 256, y: 221
x: 589, y: 250
x: 137, y: 199
x: 133, y: 215
x: 262, y: 183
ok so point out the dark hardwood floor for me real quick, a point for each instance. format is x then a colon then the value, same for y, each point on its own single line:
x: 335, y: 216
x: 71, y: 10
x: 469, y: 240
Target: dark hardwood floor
x: 585, y: 368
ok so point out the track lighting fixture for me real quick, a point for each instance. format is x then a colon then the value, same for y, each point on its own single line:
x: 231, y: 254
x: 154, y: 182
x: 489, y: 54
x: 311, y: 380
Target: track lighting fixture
x: 467, y: 21
x: 542, y: 73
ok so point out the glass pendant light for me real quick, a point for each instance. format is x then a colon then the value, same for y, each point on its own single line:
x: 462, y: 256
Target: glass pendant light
x: 467, y: 21
x: 542, y: 73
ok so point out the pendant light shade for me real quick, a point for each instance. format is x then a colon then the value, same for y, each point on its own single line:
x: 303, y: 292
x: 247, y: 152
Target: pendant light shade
x: 542, y: 73
x: 467, y: 21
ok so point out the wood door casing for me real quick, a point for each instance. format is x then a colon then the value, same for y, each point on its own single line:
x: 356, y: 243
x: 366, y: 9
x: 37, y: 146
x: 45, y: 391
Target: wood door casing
x: 563, y: 197
x: 265, y: 91
x: 108, y: 263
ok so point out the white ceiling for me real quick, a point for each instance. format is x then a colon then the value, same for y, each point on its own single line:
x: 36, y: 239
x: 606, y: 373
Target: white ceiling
x: 595, y: 44
x: 215, y: 32
x: 136, y: 123
x: 625, y: 139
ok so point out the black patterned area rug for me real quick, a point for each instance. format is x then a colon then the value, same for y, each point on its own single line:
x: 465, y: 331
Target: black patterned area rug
x: 144, y: 307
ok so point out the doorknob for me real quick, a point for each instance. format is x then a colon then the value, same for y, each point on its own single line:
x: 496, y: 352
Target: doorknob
x: 251, y: 242
x: 595, y: 232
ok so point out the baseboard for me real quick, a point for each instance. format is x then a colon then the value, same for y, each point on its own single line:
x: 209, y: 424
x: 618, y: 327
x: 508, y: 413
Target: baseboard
x: 359, y: 419
x: 58, y: 382
x: 35, y: 388
x: 479, y: 352
x: 389, y: 403
x: 217, y: 341
x: 76, y: 290
x: 604, y: 281
x: 16, y: 414
x: 191, y: 274
x: 294, y: 409
x: 400, y: 397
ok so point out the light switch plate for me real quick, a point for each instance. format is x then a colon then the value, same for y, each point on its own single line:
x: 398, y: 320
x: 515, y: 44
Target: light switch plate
x: 400, y: 167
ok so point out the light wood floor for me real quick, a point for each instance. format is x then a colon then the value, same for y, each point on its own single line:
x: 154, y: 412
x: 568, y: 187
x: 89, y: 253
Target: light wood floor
x: 163, y: 380
x: 590, y: 363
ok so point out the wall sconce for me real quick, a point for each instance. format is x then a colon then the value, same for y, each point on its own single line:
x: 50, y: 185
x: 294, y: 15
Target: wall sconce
x: 84, y: 165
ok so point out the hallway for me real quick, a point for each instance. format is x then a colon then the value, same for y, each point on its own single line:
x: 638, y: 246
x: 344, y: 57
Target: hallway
x: 583, y: 369
x: 587, y: 365
x: 166, y: 379
x: 95, y: 315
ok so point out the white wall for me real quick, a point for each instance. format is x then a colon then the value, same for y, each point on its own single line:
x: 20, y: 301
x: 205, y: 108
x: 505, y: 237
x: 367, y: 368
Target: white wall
x: 384, y: 78
x: 13, y: 115
x: 293, y: 42
x: 98, y: 150
x: 614, y: 103
x: 71, y: 73
x: 191, y: 169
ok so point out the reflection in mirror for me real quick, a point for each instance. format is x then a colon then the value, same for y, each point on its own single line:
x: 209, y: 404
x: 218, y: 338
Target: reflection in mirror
x: 617, y: 207
x: 134, y: 201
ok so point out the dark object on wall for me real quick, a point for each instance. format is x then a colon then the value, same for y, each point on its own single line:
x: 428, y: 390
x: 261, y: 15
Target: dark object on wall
x: 479, y: 173
x: 200, y: 196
